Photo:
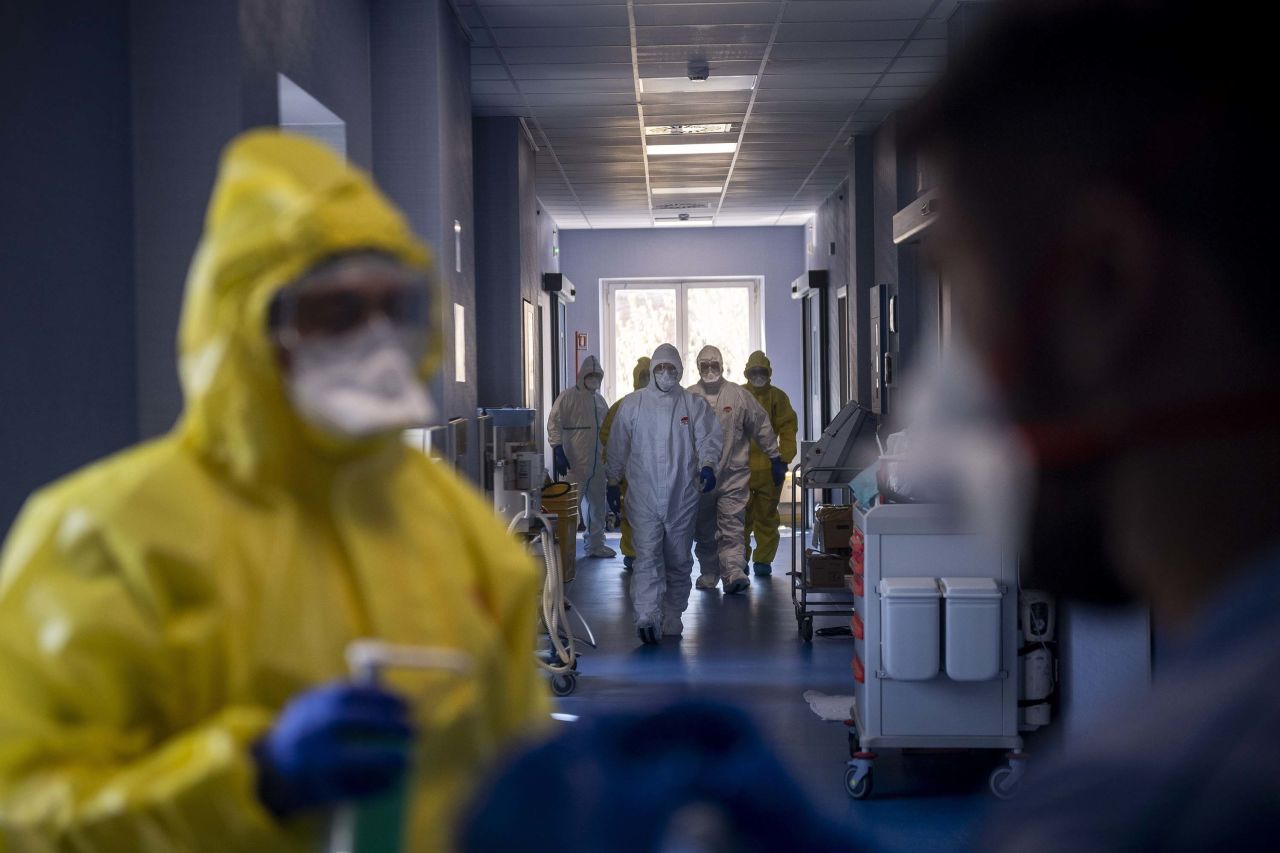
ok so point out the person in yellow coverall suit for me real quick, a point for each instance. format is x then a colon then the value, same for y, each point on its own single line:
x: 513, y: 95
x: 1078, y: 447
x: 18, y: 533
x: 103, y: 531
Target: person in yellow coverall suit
x: 173, y: 619
x: 639, y: 378
x: 762, y: 505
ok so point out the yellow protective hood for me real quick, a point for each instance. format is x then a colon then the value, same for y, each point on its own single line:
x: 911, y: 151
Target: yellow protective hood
x: 281, y: 204
x: 640, y: 373
x: 759, y: 360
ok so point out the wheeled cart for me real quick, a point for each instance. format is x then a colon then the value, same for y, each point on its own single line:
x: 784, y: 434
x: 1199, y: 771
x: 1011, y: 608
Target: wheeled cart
x: 935, y: 641
x: 809, y: 598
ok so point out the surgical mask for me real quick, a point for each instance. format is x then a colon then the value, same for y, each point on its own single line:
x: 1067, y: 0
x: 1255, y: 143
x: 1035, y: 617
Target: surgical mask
x: 758, y: 380
x: 710, y: 372
x: 665, y: 379
x: 357, y: 385
x: 592, y: 383
x: 1050, y: 516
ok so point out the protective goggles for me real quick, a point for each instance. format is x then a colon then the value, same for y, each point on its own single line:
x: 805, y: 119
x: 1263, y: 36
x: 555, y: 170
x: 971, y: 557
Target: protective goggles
x: 345, y: 295
x: 757, y: 373
x: 704, y: 366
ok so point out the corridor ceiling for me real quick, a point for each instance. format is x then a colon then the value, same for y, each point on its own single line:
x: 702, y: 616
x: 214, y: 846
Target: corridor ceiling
x: 824, y: 69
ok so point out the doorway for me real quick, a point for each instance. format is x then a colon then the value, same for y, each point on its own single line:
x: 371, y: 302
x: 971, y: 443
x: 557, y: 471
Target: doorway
x: 640, y: 314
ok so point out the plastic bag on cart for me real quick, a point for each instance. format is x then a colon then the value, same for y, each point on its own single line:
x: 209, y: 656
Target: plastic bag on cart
x: 907, y: 477
x: 866, y: 486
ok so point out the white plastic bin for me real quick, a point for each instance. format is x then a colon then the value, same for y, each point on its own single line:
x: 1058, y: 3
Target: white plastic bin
x: 909, y: 625
x: 972, y: 628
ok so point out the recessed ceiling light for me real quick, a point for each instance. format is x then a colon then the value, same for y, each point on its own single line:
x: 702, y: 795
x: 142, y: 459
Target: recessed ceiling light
x: 707, y: 190
x: 685, y: 129
x: 660, y: 85
x: 692, y: 148
x: 682, y: 223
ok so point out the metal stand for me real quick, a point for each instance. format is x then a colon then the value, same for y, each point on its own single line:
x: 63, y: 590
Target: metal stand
x: 808, y: 600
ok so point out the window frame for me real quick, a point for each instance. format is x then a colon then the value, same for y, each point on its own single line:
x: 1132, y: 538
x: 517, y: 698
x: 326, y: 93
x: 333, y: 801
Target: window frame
x: 681, y: 285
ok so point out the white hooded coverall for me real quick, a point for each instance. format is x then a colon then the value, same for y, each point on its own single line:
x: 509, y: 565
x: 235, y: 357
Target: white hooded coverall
x: 574, y: 424
x: 659, y: 443
x: 722, y: 512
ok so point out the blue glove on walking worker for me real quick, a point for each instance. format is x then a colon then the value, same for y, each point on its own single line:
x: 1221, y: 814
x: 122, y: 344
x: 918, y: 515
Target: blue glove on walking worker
x: 562, y: 461
x: 337, y: 742
x: 779, y: 470
x: 708, y: 478
x: 614, y: 496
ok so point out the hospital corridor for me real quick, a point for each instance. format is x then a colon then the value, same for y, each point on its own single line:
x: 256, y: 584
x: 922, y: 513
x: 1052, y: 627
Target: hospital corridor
x: 643, y: 426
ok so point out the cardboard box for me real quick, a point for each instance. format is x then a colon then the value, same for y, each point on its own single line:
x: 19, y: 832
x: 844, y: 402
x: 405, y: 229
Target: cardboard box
x: 833, y: 528
x: 827, y: 571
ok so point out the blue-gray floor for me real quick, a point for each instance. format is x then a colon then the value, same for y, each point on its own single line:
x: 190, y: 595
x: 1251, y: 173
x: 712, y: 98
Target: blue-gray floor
x: 745, y: 649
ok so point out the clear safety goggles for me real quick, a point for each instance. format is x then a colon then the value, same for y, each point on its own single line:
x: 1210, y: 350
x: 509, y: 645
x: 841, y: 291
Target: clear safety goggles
x: 757, y: 373
x: 704, y: 366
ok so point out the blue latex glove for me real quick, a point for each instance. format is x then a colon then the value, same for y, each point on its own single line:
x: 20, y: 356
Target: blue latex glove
x: 779, y: 470
x: 562, y: 461
x: 336, y: 742
x: 614, y: 494
x: 708, y: 478
x: 694, y: 753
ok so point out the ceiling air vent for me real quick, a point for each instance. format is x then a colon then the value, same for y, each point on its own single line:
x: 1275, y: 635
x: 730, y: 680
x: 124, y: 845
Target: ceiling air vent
x: 683, y: 205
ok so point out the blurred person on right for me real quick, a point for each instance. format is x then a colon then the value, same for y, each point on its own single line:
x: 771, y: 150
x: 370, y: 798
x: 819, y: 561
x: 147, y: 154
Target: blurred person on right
x: 1112, y: 273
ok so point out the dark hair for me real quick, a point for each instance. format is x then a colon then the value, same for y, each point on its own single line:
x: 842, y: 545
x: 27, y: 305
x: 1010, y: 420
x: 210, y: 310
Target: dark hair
x: 1162, y: 98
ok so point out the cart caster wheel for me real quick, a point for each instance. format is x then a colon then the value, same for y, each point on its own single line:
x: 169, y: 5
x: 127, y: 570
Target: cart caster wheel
x: 859, y: 790
x: 1004, y: 784
x: 564, y: 683
x: 806, y: 629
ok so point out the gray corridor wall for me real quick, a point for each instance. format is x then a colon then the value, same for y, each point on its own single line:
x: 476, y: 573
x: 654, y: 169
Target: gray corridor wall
x: 67, y: 351
x: 201, y: 73
x: 778, y: 254
x: 422, y: 158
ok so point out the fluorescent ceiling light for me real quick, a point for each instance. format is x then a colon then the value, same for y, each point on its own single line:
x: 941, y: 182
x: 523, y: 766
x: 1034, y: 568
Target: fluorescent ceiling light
x: 692, y: 148
x: 708, y: 190
x: 660, y: 85
x: 676, y: 223
x: 685, y: 129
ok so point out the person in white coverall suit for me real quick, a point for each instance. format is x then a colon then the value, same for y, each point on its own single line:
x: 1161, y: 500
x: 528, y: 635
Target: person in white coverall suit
x: 665, y: 442
x: 573, y: 430
x: 722, y: 512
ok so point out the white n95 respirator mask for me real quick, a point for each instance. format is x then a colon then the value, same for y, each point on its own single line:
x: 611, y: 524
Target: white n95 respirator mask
x: 758, y: 380
x: 359, y: 384
x: 592, y: 383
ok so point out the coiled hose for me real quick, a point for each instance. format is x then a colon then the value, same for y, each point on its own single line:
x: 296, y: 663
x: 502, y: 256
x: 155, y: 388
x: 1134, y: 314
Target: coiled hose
x: 555, y: 613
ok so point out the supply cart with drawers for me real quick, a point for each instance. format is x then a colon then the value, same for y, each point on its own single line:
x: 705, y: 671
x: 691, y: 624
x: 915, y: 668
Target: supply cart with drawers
x: 935, y: 641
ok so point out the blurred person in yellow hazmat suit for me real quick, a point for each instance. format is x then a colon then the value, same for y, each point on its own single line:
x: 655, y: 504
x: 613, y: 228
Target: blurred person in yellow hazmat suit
x: 762, y: 505
x: 173, y: 619
x: 639, y: 378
